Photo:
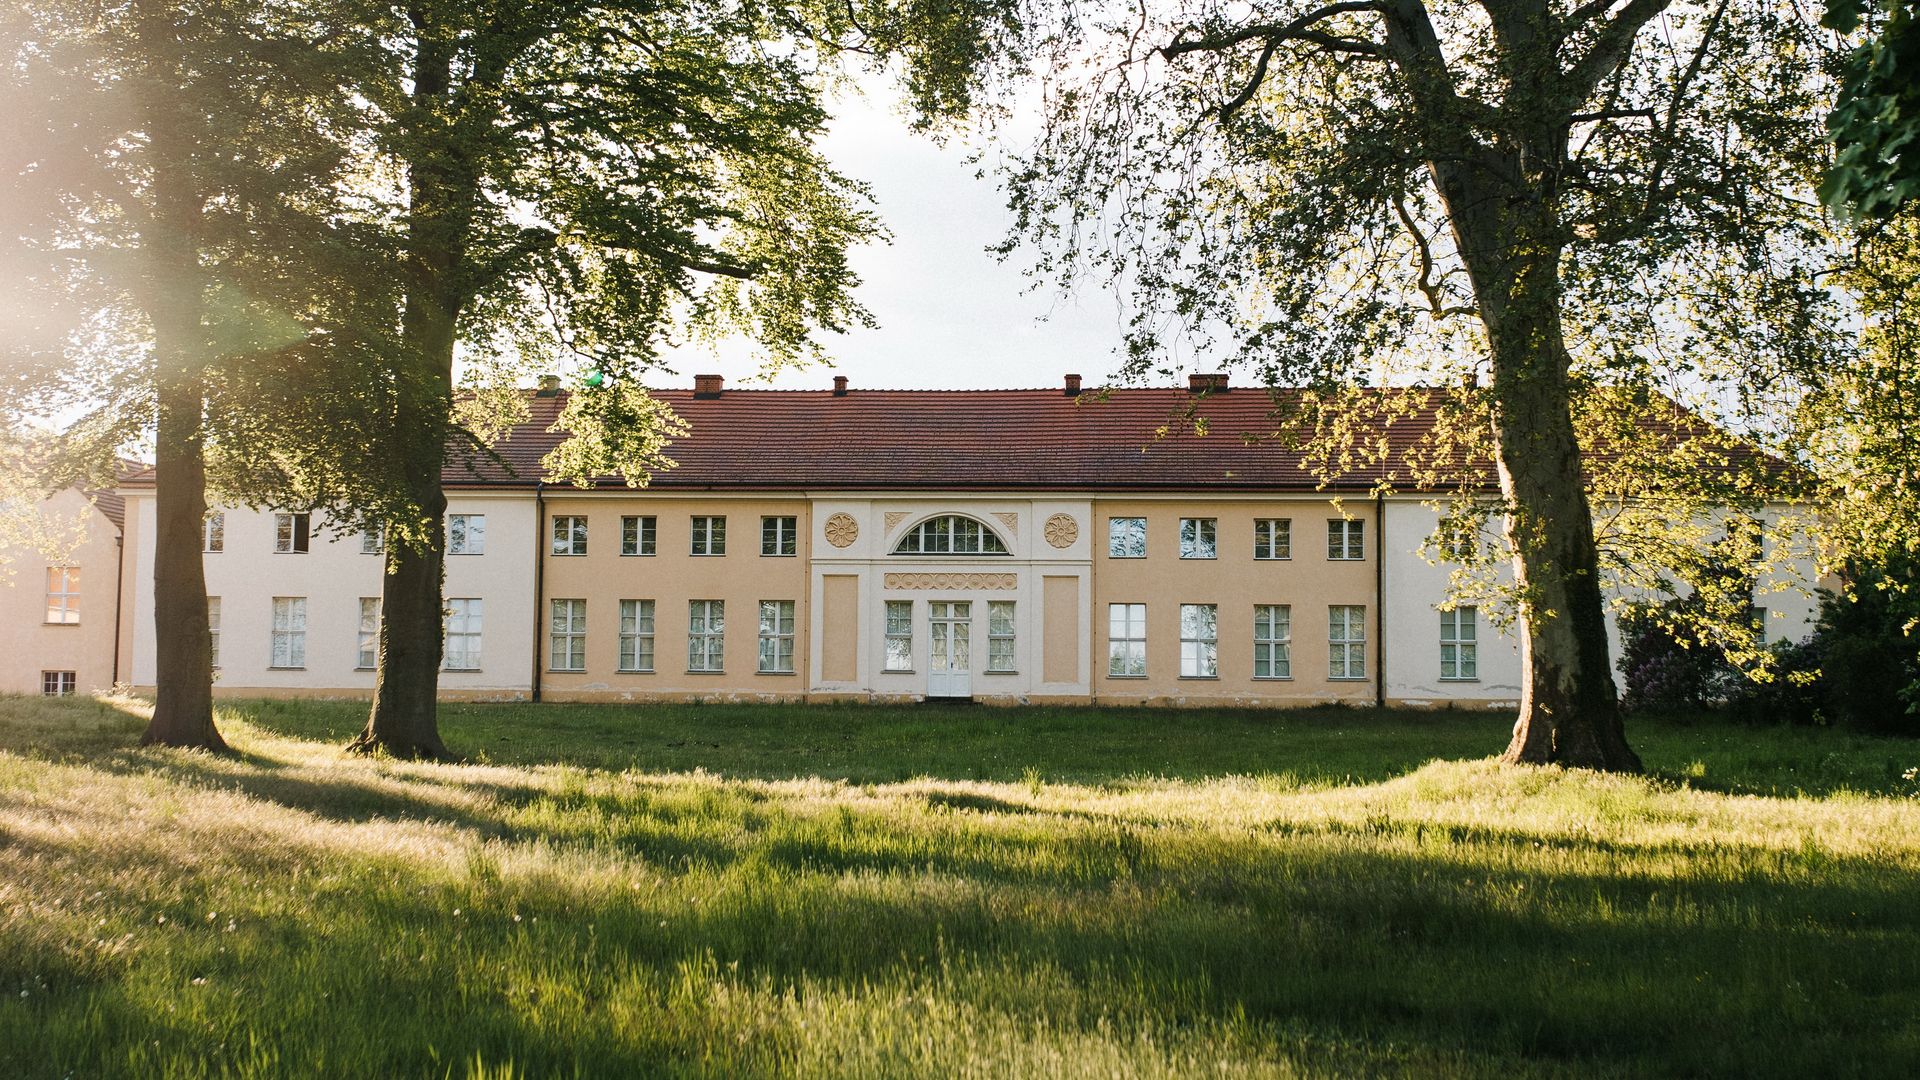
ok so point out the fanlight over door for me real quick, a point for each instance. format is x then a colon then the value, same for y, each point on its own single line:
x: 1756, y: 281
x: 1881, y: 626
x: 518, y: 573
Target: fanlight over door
x: 951, y: 534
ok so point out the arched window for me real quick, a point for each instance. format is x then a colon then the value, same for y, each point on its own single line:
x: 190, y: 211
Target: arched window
x: 950, y: 534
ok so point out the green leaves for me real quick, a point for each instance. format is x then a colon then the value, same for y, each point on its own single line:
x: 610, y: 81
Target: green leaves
x: 1875, y: 124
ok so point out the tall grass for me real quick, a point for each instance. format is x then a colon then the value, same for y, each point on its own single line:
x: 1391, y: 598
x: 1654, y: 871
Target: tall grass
x: 907, y: 892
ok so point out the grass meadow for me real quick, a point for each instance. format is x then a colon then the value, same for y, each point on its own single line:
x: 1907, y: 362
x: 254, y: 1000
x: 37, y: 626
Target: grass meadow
x: 938, y: 891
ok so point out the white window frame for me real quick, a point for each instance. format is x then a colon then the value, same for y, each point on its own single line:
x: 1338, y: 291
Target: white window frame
x: 706, y: 636
x: 471, y: 538
x: 465, y: 620
x: 373, y: 541
x: 567, y: 634
x: 639, y: 534
x: 708, y: 537
x: 1199, y: 641
x: 636, y: 635
x: 292, y: 533
x: 1273, y: 539
x: 568, y: 536
x: 1002, y: 642
x: 213, y: 632
x: 782, y: 534
x: 899, y: 631
x: 1118, y: 530
x: 1347, y: 642
x: 1346, y: 540
x: 213, y: 533
x: 287, y: 637
x: 63, y: 596
x: 951, y: 534
x: 1127, y: 649
x: 776, y: 637
x: 1273, y: 641
x: 367, y: 651
x: 1460, y: 644
x: 1199, y: 538
x: 59, y: 683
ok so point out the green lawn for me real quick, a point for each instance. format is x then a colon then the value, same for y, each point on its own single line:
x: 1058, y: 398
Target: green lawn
x: 929, y: 891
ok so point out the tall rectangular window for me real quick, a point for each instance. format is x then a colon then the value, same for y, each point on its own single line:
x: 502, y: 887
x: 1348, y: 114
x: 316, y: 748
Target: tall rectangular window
x: 709, y: 536
x: 1127, y: 538
x: 290, y: 532
x: 289, y: 632
x: 568, y: 626
x: 1196, y: 538
x: 1273, y: 538
x: 1346, y: 539
x: 466, y: 534
x: 1000, y: 639
x: 776, y: 636
x: 465, y: 616
x: 1346, y: 642
x: 778, y: 536
x: 1459, y: 644
x: 58, y: 683
x: 369, y: 647
x: 63, y: 594
x: 637, y: 535
x: 706, y: 635
x: 899, y: 635
x: 569, y: 535
x: 636, y: 635
x: 1126, y: 639
x: 213, y: 629
x: 373, y: 541
x: 1199, y: 641
x: 213, y: 532
x: 1272, y: 641
x: 1460, y: 543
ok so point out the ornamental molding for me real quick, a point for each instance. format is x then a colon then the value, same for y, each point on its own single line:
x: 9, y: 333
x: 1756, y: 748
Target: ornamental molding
x: 842, y: 530
x: 955, y: 582
x: 1062, y: 531
x: 1011, y: 521
x: 895, y: 517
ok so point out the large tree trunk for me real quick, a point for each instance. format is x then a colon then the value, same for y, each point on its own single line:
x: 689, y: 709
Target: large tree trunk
x: 183, y: 653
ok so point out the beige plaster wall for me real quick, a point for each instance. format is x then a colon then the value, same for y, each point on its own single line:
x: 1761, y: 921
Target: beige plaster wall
x: 29, y: 645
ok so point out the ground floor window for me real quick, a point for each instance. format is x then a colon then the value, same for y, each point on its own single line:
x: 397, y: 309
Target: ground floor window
x: 1459, y: 645
x: 899, y: 635
x: 213, y: 630
x: 1199, y: 641
x: 1272, y: 641
x: 1346, y: 642
x: 706, y: 635
x: 1126, y: 639
x: 776, y: 637
x: 57, y: 683
x: 464, y: 618
x: 369, y: 644
x: 636, y: 635
x: 568, y: 628
x: 1000, y: 635
x: 289, y: 632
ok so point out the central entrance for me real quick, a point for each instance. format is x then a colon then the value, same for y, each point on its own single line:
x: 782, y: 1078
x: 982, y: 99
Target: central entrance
x: 949, y: 643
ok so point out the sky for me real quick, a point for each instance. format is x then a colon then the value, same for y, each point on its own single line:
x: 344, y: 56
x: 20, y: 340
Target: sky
x: 951, y: 315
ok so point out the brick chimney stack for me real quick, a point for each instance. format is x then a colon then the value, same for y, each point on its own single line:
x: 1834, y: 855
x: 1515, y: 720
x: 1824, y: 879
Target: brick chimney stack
x: 706, y: 386
x: 839, y: 386
x: 1072, y: 388
x: 1210, y: 383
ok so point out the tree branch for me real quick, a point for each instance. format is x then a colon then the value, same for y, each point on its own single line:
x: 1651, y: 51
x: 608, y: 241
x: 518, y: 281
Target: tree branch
x: 1297, y: 30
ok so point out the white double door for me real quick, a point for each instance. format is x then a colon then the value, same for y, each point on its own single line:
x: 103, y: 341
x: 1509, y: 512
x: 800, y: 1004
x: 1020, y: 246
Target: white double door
x: 950, y: 648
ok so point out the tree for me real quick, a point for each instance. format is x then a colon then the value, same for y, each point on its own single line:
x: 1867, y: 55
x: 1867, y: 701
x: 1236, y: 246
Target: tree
x: 1876, y: 119
x: 1530, y: 198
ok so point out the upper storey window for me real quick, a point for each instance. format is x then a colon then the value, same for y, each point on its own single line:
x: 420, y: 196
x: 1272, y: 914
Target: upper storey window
x: 951, y: 534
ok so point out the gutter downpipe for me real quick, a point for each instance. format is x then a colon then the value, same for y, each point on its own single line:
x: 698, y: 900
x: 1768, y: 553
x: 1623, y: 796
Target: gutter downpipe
x: 1380, y: 600
x: 119, y: 590
x: 539, y: 575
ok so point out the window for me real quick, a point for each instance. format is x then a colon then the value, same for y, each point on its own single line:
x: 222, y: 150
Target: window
x: 1126, y: 538
x: 213, y: 532
x: 213, y: 629
x: 706, y: 634
x: 1757, y: 616
x: 1458, y: 644
x: 462, y: 649
x: 1196, y: 538
x: 57, y: 683
x: 1346, y: 539
x: 289, y: 632
x: 466, y: 534
x: 1346, y: 642
x: 569, y: 535
x: 1272, y: 641
x: 899, y: 635
x: 373, y: 541
x: 636, y: 535
x: 369, y: 649
x: 776, y: 636
x: 951, y: 534
x: 568, y: 651
x: 1460, y: 544
x: 63, y: 594
x: 778, y: 536
x: 1127, y: 639
x: 1199, y: 641
x: 636, y: 634
x: 1000, y: 635
x: 1273, y: 538
x: 710, y: 537
x: 290, y: 532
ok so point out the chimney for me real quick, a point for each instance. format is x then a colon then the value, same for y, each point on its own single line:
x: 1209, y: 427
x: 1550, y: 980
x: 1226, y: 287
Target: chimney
x: 839, y: 386
x: 706, y: 386
x: 549, y: 386
x: 1072, y: 388
x: 1211, y: 383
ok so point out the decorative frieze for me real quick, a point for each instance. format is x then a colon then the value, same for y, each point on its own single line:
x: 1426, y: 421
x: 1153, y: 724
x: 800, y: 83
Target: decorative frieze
x: 955, y: 582
x: 842, y: 530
